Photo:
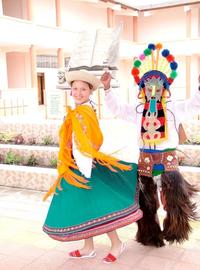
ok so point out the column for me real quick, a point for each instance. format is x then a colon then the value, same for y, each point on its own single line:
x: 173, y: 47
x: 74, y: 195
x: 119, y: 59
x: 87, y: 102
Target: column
x: 58, y: 13
x: 33, y: 63
x: 34, y: 103
x: 199, y: 22
x: 188, y: 72
x: 188, y: 57
x: 3, y: 71
x: 188, y: 23
x: 60, y: 57
x: 110, y: 17
x: 1, y: 8
x: 29, y: 4
x: 135, y: 29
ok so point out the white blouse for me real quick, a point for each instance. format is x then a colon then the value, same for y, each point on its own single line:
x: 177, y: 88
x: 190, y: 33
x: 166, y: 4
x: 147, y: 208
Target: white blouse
x: 83, y: 162
x: 176, y: 113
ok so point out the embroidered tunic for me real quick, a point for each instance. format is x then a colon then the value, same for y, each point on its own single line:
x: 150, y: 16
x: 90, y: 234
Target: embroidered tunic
x: 176, y: 112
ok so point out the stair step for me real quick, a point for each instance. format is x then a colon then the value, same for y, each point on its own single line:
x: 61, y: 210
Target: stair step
x: 42, y: 178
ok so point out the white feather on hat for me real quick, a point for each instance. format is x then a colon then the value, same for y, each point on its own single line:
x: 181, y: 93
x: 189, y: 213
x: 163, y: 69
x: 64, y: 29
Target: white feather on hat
x: 81, y: 75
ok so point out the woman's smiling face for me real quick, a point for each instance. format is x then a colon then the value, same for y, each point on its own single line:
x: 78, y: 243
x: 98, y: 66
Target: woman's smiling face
x: 80, y: 91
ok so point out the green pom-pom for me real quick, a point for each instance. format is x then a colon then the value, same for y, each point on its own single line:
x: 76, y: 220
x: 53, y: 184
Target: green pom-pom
x: 147, y: 52
x: 137, y: 63
x: 173, y: 74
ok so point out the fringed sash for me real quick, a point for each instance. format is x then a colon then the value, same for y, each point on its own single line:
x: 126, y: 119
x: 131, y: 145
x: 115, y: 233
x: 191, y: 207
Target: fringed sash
x: 83, y: 122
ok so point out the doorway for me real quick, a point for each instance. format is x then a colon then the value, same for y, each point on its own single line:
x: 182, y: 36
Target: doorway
x: 41, y: 88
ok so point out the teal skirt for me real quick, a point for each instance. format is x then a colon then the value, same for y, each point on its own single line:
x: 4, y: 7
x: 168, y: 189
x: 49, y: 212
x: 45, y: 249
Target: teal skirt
x: 111, y: 203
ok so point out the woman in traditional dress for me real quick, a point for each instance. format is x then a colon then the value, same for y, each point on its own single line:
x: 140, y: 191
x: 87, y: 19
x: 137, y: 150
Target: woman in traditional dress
x: 95, y: 193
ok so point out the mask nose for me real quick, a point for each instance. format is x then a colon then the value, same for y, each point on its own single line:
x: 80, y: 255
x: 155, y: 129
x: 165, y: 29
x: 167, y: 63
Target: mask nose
x: 153, y: 93
x: 153, y: 100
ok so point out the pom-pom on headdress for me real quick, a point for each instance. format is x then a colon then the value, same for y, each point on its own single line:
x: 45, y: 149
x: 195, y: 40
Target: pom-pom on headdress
x: 154, y: 63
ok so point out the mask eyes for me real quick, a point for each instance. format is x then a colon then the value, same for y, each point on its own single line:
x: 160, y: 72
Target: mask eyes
x: 149, y: 90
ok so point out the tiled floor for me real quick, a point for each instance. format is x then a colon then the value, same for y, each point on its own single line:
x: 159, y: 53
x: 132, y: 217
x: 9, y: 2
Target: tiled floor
x: 23, y: 245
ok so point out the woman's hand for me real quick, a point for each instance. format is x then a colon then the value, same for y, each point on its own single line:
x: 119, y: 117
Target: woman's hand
x: 105, y: 80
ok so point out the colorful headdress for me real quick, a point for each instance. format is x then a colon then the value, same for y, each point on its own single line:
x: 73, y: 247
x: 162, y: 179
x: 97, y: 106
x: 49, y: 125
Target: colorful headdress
x: 153, y: 64
x: 154, y: 71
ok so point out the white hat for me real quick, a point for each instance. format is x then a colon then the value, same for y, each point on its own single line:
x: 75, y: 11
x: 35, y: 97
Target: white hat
x: 81, y: 75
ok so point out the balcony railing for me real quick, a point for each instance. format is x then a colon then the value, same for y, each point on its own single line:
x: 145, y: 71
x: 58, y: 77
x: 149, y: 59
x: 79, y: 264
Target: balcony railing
x: 12, y: 107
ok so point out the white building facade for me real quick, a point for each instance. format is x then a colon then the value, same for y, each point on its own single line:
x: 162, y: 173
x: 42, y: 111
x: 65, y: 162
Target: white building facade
x: 38, y: 37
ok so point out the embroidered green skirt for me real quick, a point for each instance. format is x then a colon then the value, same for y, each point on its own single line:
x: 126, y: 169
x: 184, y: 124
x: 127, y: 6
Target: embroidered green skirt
x: 111, y: 203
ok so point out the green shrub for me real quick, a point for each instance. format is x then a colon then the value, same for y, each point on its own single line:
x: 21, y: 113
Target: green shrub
x: 47, y: 140
x: 32, y: 161
x: 12, y: 158
x: 53, y: 162
x: 7, y: 137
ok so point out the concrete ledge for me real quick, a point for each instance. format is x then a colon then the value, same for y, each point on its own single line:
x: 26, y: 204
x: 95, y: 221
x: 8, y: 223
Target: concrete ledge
x: 41, y: 178
x: 189, y: 155
x: 43, y: 154
x: 191, y: 174
x: 29, y: 147
x: 27, y: 177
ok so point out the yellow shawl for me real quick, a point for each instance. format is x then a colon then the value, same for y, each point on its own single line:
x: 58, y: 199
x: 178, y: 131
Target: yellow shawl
x: 83, y: 122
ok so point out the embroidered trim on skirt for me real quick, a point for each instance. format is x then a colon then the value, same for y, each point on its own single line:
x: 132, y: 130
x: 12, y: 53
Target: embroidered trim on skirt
x: 111, y: 203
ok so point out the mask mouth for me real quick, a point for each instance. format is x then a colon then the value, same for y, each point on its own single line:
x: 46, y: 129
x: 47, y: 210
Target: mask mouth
x: 152, y: 106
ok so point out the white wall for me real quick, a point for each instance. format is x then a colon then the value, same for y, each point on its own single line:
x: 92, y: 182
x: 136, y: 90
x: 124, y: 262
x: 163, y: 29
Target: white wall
x: 195, y: 21
x: 3, y: 71
x: 195, y: 73
x: 18, y: 68
x: 81, y: 16
x: 168, y: 24
x: 44, y: 12
x: 75, y: 16
x: 127, y: 22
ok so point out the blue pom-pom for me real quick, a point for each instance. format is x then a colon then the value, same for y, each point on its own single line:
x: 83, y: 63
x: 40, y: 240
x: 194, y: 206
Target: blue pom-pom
x: 151, y: 46
x: 142, y: 85
x: 165, y: 53
x: 173, y: 65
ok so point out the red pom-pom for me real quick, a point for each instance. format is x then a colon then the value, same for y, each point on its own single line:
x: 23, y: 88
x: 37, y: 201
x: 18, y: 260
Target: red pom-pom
x: 137, y: 79
x: 135, y: 71
x: 170, y: 58
x: 170, y: 80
